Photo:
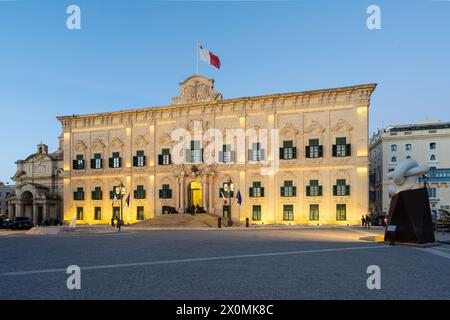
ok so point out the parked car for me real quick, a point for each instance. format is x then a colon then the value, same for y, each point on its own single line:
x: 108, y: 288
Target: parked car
x: 444, y: 215
x: 21, y: 223
x: 6, y: 224
x: 378, y: 219
x: 434, y: 216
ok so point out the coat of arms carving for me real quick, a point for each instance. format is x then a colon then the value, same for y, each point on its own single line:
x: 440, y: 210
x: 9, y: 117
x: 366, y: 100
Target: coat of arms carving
x: 196, y: 89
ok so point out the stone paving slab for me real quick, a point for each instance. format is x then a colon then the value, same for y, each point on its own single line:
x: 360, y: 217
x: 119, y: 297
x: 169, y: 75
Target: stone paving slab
x: 328, y: 264
x: 65, y: 230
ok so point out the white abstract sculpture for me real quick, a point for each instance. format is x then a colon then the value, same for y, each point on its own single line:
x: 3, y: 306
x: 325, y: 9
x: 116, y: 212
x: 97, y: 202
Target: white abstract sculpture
x: 405, y: 176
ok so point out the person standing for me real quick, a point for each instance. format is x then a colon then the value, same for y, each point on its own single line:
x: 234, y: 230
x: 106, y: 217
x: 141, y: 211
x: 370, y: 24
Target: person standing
x: 363, y: 221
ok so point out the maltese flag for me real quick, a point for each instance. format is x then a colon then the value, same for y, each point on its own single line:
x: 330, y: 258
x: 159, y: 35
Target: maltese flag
x: 225, y: 201
x: 208, y: 57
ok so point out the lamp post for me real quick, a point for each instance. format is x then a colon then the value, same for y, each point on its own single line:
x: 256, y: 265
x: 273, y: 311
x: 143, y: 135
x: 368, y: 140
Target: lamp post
x: 120, y: 192
x: 425, y: 179
x: 229, y: 188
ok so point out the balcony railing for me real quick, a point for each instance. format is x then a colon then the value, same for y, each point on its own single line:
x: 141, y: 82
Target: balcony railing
x: 437, y: 175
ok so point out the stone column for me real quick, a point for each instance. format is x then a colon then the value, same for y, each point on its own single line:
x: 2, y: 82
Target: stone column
x: 18, y: 209
x: 204, y: 193
x: 182, y: 206
x: 11, y: 208
x: 35, y: 213
x: 178, y: 194
x: 210, y: 195
x: 45, y: 213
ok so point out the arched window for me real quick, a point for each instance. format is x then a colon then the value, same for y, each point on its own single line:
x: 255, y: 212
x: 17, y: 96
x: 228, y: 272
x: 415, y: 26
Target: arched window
x: 433, y: 157
x: 432, y: 145
x: 394, y: 159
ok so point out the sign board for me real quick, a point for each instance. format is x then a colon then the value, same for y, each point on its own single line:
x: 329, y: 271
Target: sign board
x: 391, y: 228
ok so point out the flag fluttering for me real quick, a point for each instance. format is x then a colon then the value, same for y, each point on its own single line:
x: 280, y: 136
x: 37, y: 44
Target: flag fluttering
x: 239, y: 197
x: 128, y: 200
x: 114, y: 200
x: 208, y: 57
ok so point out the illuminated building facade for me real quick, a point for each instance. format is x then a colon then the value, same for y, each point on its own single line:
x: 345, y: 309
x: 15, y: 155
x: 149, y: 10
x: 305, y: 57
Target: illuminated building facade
x: 322, y: 148
x: 427, y: 142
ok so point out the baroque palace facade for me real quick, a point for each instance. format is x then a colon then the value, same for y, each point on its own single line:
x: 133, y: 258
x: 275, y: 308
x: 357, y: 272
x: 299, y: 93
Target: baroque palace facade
x: 323, y: 150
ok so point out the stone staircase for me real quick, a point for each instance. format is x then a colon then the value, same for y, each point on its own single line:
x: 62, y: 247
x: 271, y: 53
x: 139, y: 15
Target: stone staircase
x: 182, y: 221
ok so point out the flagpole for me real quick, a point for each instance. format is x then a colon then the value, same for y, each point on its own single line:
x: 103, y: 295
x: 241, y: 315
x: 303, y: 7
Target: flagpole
x: 198, y: 45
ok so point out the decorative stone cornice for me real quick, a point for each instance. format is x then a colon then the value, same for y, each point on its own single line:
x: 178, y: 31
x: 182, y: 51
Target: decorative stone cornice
x: 198, y: 92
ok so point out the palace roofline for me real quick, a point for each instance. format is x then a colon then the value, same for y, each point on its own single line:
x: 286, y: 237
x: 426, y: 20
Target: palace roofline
x: 370, y: 86
x: 419, y: 126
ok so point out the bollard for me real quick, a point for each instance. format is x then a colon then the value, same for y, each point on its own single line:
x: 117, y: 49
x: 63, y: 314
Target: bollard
x: 219, y: 223
x: 392, y: 243
x: 392, y: 229
x: 247, y: 223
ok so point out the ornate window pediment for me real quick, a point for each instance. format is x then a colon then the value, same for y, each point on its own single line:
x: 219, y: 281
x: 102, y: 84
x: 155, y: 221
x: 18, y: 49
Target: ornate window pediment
x: 315, y: 128
x: 165, y: 180
x: 288, y: 176
x: 311, y: 175
x: 140, y: 142
x: 257, y: 127
x: 98, y: 144
x: 225, y: 178
x: 165, y: 139
x: 289, y: 129
x: 342, y: 125
x: 196, y: 89
x: 340, y: 174
x: 257, y: 177
x: 80, y: 146
x: 97, y: 183
x: 197, y: 126
x: 116, y: 143
x: 116, y: 182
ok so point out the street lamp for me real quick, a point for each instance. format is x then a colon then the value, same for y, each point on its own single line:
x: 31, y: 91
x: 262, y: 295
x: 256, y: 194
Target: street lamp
x: 229, y: 188
x: 120, y: 191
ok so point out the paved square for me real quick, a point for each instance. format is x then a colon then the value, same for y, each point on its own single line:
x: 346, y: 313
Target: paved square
x: 326, y: 263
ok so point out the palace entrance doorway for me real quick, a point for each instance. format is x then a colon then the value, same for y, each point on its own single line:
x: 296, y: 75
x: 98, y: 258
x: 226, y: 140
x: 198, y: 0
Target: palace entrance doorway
x: 195, y: 195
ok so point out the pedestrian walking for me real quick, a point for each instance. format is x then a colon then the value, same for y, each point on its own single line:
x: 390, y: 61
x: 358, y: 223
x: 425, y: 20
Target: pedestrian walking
x: 119, y: 223
x: 363, y: 221
x: 367, y: 222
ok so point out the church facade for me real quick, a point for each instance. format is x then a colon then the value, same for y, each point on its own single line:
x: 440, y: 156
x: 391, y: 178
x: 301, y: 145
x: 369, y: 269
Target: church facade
x: 294, y: 158
x: 38, y: 193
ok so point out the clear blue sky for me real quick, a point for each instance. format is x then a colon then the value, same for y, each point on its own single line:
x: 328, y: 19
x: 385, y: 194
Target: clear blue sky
x: 132, y: 54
